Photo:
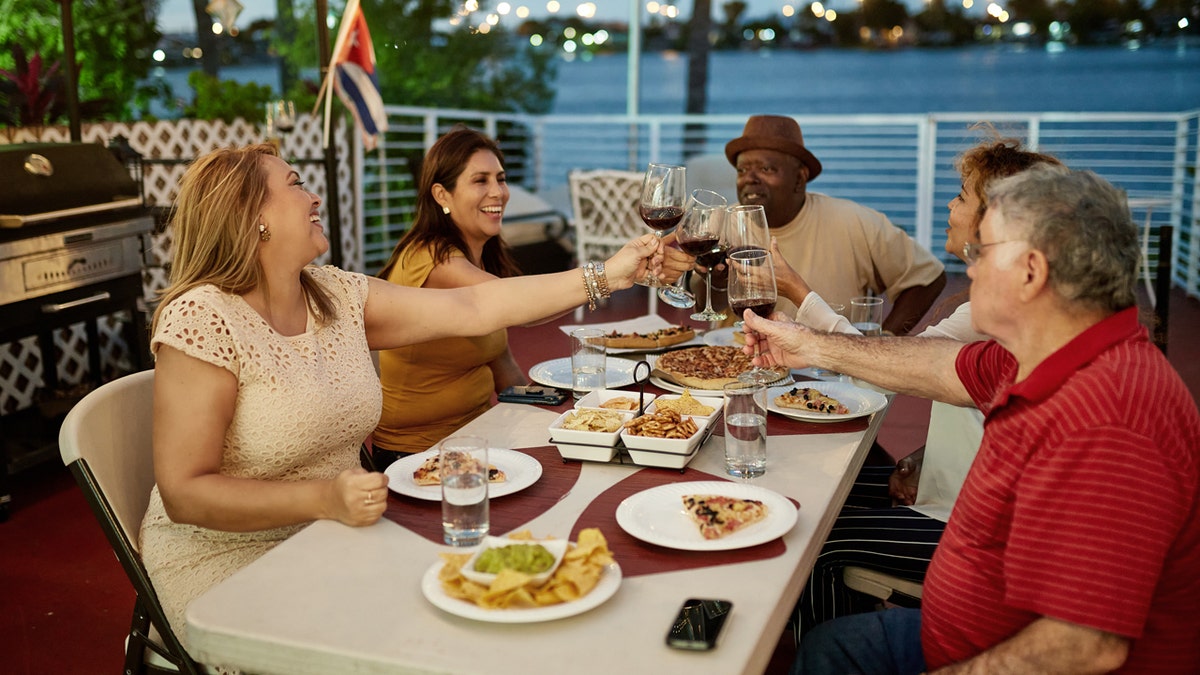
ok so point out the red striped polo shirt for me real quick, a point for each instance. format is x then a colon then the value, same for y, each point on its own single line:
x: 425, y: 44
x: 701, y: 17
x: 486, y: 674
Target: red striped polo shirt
x: 1082, y: 504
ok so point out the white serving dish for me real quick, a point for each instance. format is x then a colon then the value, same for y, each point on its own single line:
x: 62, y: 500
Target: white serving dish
x: 579, y: 437
x: 588, y: 453
x: 715, y: 403
x: 666, y: 460
x: 596, y: 397
x: 678, y: 446
x: 556, y: 547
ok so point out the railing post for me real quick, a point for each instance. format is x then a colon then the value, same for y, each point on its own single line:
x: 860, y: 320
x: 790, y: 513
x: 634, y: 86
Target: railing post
x: 926, y: 157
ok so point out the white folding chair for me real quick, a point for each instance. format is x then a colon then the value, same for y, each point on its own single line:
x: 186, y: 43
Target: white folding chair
x: 105, y: 440
x: 605, y: 207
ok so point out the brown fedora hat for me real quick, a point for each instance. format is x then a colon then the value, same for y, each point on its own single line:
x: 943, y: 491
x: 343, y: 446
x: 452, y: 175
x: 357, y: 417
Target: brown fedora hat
x: 773, y: 132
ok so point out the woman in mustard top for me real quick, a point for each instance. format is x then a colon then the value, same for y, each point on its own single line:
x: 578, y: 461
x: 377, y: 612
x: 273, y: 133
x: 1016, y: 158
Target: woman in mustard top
x: 433, y: 388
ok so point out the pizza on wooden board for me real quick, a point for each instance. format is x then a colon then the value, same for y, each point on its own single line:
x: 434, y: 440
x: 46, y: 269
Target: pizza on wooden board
x: 807, y: 398
x: 709, y: 367
x: 430, y: 471
x: 718, y: 515
x: 665, y: 337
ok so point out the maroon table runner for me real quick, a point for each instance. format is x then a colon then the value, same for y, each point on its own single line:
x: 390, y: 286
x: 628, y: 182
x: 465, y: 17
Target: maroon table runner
x: 636, y: 557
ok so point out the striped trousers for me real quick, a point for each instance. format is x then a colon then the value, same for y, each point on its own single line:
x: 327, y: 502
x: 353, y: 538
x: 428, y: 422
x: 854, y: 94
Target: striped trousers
x: 869, y: 533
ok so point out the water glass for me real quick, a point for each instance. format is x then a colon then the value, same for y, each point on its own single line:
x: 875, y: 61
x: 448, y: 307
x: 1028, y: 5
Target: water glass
x: 464, y: 467
x: 866, y: 314
x: 745, y: 429
x: 589, y: 360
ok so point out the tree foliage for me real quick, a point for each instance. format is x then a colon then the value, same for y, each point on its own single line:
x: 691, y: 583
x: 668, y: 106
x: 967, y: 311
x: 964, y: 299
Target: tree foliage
x: 114, y: 40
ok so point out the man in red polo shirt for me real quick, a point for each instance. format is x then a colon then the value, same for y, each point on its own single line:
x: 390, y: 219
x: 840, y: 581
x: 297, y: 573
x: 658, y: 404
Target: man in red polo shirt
x: 1075, y: 543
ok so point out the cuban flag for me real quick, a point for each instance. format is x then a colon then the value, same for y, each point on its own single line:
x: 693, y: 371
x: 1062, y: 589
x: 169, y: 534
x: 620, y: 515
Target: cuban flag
x: 353, y: 71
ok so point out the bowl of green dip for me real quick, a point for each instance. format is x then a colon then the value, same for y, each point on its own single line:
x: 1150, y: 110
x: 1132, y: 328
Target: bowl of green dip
x: 538, y: 559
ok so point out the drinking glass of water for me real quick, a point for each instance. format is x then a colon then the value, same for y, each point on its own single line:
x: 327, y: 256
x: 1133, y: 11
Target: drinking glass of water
x: 589, y: 361
x: 464, y: 468
x: 745, y: 429
x: 866, y: 314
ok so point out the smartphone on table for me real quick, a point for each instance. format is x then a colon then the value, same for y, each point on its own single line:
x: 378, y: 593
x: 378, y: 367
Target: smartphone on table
x: 532, y: 393
x: 698, y: 624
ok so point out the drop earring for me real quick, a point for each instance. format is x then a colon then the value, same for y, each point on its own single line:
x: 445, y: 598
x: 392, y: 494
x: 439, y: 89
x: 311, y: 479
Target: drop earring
x: 263, y: 233
x: 446, y: 210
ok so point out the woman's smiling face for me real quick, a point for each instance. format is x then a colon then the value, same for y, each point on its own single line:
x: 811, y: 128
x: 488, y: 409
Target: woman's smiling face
x: 478, y: 198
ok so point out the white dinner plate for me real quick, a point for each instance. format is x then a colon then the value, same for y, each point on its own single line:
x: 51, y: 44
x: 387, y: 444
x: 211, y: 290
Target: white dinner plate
x: 431, y: 586
x: 557, y: 373
x: 722, y: 337
x: 857, y: 400
x: 657, y: 516
x: 520, y: 469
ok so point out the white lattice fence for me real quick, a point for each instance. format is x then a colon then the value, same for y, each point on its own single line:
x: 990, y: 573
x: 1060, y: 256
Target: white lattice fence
x: 167, y: 147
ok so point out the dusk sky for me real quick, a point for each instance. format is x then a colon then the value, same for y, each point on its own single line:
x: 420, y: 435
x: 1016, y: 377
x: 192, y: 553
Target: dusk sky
x: 176, y: 15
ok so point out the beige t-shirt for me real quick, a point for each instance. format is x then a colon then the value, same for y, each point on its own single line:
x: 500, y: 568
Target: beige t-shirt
x: 843, y: 249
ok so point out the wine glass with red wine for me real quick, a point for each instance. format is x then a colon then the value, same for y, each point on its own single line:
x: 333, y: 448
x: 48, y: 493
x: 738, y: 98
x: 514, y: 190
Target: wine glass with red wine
x: 664, y: 190
x: 699, y: 235
x: 752, y: 286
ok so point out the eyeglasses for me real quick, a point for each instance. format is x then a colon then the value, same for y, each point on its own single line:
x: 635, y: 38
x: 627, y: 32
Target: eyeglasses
x: 973, y: 252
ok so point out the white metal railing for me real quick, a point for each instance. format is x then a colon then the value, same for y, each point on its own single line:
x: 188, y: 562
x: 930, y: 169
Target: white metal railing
x: 902, y: 165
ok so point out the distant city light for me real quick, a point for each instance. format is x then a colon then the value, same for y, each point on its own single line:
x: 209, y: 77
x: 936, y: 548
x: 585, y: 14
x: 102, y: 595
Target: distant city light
x: 831, y: 15
x: 586, y: 10
x: 994, y: 10
x: 503, y: 8
x: 217, y: 29
x: 493, y: 19
x: 817, y: 9
x: 748, y: 34
x: 160, y: 55
x: 1022, y: 29
x: 1183, y: 23
x: 1004, y: 16
x: 672, y: 12
x: 552, y: 6
x: 788, y: 10
x: 569, y: 46
x: 522, y: 12
x: 968, y: 4
x: 652, y: 7
x: 484, y: 28
x: 455, y: 20
x: 587, y: 40
x: 535, y: 40
x: 766, y: 34
x: 471, y: 5
x: 569, y: 32
x: 601, y: 36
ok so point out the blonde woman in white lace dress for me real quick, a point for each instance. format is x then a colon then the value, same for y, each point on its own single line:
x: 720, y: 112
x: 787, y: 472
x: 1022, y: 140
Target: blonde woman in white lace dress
x: 264, y: 386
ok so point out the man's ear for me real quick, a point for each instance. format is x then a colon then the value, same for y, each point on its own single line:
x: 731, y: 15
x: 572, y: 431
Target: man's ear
x: 1036, y: 268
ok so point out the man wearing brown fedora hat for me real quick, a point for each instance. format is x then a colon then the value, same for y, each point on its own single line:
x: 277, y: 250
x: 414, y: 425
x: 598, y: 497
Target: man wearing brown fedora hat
x: 841, y: 248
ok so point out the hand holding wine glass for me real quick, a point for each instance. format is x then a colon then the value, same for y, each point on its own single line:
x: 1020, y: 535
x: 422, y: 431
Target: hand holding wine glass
x: 664, y: 190
x: 752, y: 286
x: 701, y: 235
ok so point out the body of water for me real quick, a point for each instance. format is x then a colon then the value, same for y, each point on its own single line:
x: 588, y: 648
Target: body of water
x: 1002, y: 78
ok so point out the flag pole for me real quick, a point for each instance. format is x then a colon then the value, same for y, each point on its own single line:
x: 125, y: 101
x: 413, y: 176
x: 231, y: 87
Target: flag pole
x: 332, y: 203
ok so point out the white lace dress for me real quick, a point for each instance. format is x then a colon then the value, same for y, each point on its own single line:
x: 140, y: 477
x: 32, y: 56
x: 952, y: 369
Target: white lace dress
x: 304, y: 405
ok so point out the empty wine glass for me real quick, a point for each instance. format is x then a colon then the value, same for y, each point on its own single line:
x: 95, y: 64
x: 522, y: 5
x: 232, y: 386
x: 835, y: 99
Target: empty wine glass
x: 698, y: 232
x: 752, y: 286
x: 664, y: 190
x: 701, y: 235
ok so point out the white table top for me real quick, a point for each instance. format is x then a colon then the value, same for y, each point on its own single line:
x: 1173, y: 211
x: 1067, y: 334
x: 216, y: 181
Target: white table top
x: 340, y: 599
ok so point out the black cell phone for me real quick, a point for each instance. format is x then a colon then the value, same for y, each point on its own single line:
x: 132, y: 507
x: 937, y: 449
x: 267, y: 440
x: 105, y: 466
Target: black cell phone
x: 698, y: 624
x: 532, y: 393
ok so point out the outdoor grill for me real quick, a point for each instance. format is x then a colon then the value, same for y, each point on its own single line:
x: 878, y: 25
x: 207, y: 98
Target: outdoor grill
x: 72, y: 223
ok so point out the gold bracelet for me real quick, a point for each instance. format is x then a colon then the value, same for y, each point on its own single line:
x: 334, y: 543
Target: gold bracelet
x: 602, y: 281
x: 587, y: 287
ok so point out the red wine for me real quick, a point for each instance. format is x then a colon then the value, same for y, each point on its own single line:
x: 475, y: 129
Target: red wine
x: 712, y: 258
x: 697, y: 246
x: 662, y: 218
x: 761, y: 306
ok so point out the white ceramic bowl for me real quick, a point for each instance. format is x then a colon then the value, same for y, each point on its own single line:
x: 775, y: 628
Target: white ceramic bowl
x: 678, y: 446
x: 666, y: 460
x: 589, y: 453
x: 579, y: 437
x: 714, y: 403
x: 556, y: 547
x: 596, y: 397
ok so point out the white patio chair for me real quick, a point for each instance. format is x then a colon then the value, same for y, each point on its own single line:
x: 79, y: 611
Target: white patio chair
x: 105, y: 441
x: 713, y: 172
x: 605, y: 206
